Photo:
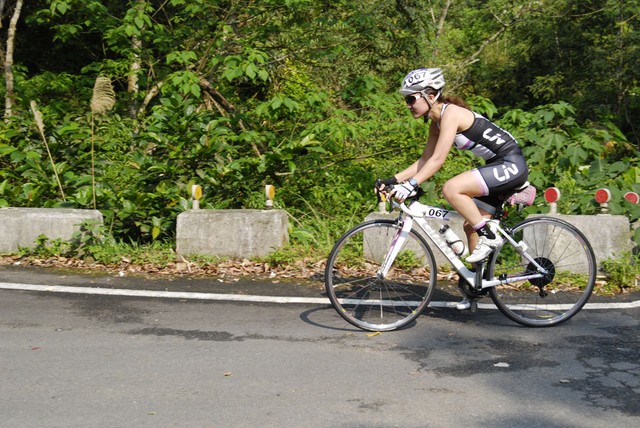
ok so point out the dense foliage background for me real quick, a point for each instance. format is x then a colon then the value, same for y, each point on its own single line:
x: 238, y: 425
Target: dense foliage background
x: 302, y: 94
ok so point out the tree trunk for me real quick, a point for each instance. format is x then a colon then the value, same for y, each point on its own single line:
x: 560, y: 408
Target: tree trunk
x: 134, y: 71
x: 134, y: 68
x: 440, y: 27
x: 2, y: 3
x: 8, y: 62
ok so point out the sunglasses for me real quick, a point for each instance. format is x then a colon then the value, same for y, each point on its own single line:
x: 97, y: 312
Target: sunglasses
x: 411, y: 99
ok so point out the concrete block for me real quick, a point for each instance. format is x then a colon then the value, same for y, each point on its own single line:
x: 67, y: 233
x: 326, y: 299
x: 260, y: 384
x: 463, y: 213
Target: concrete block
x: 20, y: 227
x: 231, y: 233
x: 609, y: 235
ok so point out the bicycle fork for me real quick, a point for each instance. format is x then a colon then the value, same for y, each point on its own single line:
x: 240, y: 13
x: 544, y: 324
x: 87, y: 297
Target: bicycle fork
x: 394, y: 249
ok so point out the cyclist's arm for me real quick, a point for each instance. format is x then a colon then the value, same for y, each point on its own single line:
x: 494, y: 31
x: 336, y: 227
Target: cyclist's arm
x: 435, y: 153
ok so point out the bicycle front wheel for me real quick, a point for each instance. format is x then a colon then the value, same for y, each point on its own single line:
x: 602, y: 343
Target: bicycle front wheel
x: 366, y: 298
x: 566, y: 255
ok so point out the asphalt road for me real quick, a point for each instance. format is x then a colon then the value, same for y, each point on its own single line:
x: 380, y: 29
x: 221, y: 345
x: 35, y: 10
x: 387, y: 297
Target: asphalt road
x: 84, y: 360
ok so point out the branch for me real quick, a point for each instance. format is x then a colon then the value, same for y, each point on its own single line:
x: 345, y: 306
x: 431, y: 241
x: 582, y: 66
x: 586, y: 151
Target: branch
x: 443, y: 17
x: 222, y: 104
x: 220, y: 100
x: 2, y: 3
x: 473, y: 58
x: 217, y: 96
x: 150, y: 95
x: 440, y: 27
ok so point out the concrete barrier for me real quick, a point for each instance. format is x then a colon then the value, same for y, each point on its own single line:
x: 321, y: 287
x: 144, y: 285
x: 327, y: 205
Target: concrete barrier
x: 20, y: 227
x: 231, y: 233
x: 609, y: 235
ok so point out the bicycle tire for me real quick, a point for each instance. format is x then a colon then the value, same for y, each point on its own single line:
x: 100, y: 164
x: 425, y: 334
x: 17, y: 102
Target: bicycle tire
x: 367, y: 301
x: 553, y: 299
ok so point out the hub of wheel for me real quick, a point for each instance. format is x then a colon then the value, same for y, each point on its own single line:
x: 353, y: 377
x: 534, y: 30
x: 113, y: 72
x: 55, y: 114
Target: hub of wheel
x: 546, y: 278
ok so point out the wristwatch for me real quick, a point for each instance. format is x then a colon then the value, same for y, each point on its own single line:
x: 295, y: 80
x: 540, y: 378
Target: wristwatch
x: 413, y: 182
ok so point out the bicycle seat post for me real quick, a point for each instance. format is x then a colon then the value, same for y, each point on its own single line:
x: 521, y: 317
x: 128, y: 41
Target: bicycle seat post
x: 500, y: 213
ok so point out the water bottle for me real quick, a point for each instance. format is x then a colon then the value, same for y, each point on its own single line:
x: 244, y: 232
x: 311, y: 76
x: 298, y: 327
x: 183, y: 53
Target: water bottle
x: 452, y: 240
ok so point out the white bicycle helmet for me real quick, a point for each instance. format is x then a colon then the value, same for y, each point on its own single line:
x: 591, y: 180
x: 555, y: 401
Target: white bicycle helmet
x: 421, y: 79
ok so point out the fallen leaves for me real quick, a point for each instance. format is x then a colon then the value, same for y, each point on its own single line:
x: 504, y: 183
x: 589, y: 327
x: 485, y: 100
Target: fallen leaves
x: 302, y: 269
x: 223, y: 271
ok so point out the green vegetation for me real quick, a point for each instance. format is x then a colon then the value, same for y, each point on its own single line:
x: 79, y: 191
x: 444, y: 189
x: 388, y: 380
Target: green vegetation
x: 301, y: 94
x: 622, y: 274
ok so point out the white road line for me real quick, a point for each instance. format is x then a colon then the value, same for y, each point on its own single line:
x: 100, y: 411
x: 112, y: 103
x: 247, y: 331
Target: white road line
x: 241, y: 297
x: 159, y: 294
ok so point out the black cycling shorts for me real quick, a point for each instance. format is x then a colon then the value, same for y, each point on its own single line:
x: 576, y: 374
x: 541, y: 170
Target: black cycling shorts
x: 499, y: 179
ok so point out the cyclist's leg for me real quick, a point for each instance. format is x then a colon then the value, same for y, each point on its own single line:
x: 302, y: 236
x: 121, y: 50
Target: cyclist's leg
x: 487, y: 206
x: 485, y: 185
x: 500, y: 177
x: 460, y: 190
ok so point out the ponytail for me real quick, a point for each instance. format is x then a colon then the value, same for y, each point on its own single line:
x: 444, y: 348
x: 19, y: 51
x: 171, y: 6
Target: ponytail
x: 447, y: 99
x: 454, y: 100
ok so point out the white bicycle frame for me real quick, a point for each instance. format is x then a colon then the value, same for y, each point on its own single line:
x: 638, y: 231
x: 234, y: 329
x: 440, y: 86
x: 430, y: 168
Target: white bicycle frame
x: 418, y: 213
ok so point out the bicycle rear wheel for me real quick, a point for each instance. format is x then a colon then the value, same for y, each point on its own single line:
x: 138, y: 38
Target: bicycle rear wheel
x: 365, y: 299
x: 557, y: 296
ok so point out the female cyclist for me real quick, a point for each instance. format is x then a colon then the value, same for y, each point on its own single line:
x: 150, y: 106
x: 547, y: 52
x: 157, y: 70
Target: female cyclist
x: 474, y: 194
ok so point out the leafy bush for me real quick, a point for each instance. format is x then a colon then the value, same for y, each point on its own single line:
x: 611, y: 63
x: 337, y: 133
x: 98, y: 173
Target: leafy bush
x: 622, y: 272
x: 577, y: 159
x: 297, y: 94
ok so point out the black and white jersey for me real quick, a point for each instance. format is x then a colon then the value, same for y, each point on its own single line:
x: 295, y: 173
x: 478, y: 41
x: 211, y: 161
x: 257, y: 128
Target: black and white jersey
x: 486, y: 139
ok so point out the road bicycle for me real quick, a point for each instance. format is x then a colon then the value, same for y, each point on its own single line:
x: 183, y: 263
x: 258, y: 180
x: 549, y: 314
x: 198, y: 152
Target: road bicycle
x: 382, y: 274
